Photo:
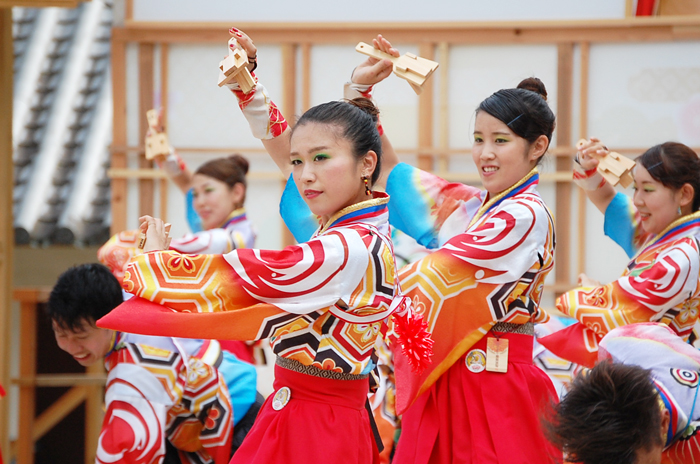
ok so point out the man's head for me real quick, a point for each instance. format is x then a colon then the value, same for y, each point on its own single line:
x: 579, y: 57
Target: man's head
x: 81, y: 296
x: 611, y: 415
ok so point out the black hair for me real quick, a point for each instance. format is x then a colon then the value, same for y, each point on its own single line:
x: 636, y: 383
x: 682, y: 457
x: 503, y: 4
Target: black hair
x: 674, y: 165
x: 609, y: 414
x: 357, y: 120
x: 523, y: 109
x: 82, y: 294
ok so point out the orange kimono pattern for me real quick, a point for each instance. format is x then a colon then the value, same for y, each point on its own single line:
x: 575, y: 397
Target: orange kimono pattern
x: 659, y: 285
x: 322, y: 303
x: 494, y: 271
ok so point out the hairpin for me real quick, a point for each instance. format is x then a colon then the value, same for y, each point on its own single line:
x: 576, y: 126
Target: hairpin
x: 516, y: 118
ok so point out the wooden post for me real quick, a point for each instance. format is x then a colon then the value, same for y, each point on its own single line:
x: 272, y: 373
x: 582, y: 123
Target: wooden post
x: 289, y: 108
x: 146, y: 186
x: 94, y: 400
x: 565, y: 84
x: 583, y: 133
x: 119, y: 139
x: 426, y: 161
x: 6, y: 231
x: 444, y: 117
x: 27, y: 370
x: 164, y: 89
x: 305, y: 76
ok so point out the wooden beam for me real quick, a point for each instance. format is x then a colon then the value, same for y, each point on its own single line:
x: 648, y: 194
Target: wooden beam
x: 62, y: 380
x: 58, y: 410
x: 146, y: 76
x: 27, y: 368
x: 119, y: 136
x: 583, y: 133
x: 6, y: 229
x: 678, y: 7
x: 642, y: 29
x: 557, y: 151
x: 426, y: 105
x: 136, y: 174
x: 31, y: 294
x: 565, y: 70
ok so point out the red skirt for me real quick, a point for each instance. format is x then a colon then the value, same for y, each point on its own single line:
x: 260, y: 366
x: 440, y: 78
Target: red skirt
x: 323, y: 420
x: 479, y: 418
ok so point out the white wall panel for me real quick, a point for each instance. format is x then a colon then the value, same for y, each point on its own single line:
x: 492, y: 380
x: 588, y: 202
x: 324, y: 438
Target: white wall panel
x: 383, y: 10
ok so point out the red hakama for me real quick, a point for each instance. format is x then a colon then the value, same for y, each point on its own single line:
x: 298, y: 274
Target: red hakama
x: 323, y: 420
x: 481, y: 418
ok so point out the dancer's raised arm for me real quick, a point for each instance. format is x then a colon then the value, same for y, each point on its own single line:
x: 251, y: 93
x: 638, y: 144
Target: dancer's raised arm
x: 266, y: 121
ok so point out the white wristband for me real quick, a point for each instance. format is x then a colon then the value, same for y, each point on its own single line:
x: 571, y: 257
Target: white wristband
x: 352, y: 90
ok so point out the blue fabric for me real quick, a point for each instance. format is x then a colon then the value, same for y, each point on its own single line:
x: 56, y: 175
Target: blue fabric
x: 242, y: 381
x: 619, y: 222
x: 300, y: 221
x: 410, y: 207
x: 193, y: 219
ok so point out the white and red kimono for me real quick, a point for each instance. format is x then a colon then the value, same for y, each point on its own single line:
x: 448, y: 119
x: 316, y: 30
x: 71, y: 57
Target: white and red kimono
x: 322, y: 304
x: 492, y: 257
x: 154, y: 394
x: 660, y: 284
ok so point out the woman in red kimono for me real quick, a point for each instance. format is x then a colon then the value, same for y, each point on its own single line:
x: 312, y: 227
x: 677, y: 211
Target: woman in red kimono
x: 494, y: 250
x: 659, y: 229
x: 322, y: 303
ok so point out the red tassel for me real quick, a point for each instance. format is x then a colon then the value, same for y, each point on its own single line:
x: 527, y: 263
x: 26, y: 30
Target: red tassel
x: 412, y: 331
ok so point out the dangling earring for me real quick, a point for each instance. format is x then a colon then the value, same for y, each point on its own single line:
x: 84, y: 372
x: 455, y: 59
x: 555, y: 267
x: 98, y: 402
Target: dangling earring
x: 679, y: 211
x: 368, y: 191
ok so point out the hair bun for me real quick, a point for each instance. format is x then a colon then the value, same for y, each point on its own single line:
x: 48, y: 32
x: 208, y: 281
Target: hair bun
x: 533, y: 84
x: 366, y: 105
x: 240, y: 161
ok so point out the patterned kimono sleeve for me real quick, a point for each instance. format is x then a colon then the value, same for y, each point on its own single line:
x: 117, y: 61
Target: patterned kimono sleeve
x: 421, y: 203
x: 623, y: 225
x: 201, y: 425
x: 134, y: 426
x: 118, y: 251
x: 645, y: 295
x: 252, y: 285
x: 213, y: 241
x: 641, y: 296
x: 476, y: 279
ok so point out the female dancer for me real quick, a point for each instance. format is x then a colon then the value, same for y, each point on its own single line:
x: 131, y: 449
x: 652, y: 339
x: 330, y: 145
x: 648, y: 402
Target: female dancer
x: 485, y: 281
x: 322, y: 303
x: 480, y: 292
x: 659, y: 229
x: 218, y: 191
